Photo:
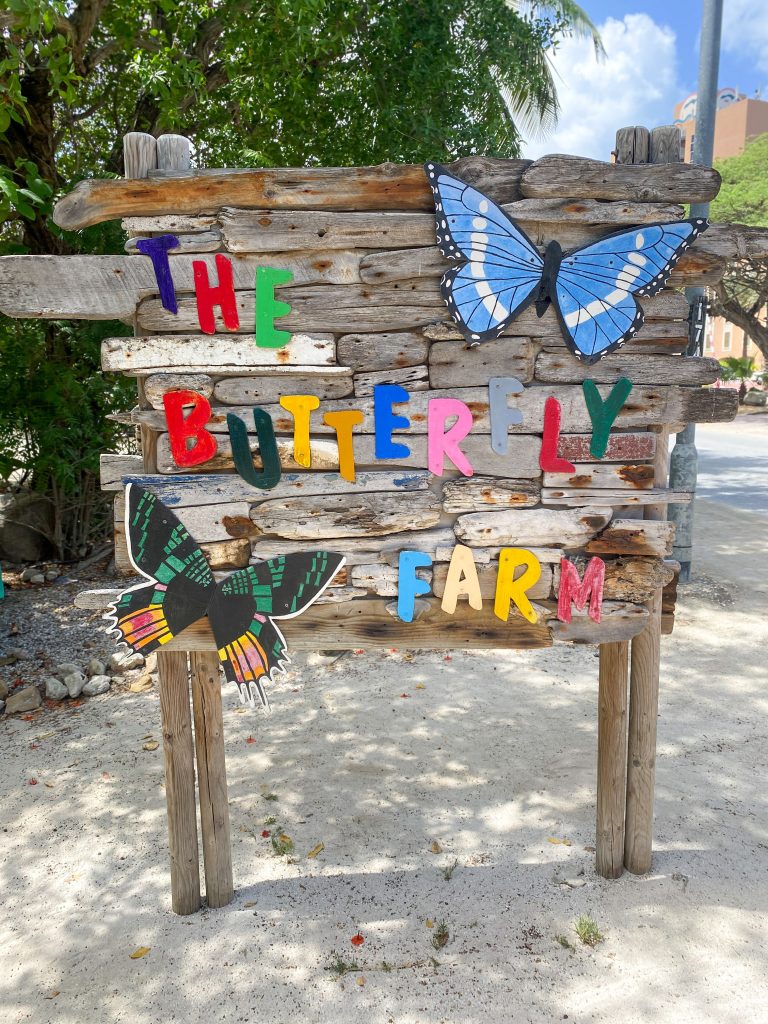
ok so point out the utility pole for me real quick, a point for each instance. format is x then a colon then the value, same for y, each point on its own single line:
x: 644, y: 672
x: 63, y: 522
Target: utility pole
x: 683, y: 460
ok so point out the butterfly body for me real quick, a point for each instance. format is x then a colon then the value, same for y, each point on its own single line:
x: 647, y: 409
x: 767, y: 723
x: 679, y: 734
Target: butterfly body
x: 592, y: 288
x: 240, y: 609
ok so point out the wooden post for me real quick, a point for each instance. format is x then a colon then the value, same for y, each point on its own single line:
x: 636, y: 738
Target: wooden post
x: 173, y: 153
x: 139, y: 154
x: 179, y: 781
x: 212, y: 778
x: 611, y: 758
x: 644, y: 706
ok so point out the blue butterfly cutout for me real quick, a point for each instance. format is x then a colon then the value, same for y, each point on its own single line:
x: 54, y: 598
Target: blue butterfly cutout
x: 593, y: 289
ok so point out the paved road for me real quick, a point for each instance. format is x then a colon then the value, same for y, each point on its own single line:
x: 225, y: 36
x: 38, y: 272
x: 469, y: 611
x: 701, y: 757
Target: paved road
x: 733, y: 462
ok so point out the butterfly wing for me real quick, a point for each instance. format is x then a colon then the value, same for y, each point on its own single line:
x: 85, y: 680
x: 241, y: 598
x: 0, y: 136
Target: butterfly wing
x: 251, y: 646
x: 596, y: 286
x: 502, y: 269
x: 181, y: 583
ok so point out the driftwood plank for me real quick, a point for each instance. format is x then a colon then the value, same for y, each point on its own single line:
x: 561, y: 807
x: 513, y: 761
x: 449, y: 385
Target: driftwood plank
x: 618, y: 621
x: 621, y: 448
x: 575, y: 497
x: 590, y: 476
x: 222, y: 556
x: 364, y: 550
x: 156, y: 385
x: 387, y: 187
x: 371, y: 352
x: 543, y: 527
x: 130, y: 355
x: 521, y: 459
x: 282, y: 231
x: 110, y: 287
x: 172, y: 225
x: 413, y: 378
x: 487, y: 575
x: 269, y: 386
x: 354, y: 515
x: 340, y: 308
x: 563, y: 368
x: 647, y: 405
x: 199, y: 241
x: 214, y: 489
x: 478, y: 493
x: 633, y: 537
x: 568, y: 177
x: 206, y: 523
x: 459, y: 365
x: 113, y: 468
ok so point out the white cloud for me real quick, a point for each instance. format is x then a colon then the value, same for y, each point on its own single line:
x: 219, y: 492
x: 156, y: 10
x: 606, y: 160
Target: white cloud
x: 745, y: 31
x: 636, y: 83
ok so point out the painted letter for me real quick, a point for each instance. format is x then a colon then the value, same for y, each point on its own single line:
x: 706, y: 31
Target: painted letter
x: 603, y: 413
x: 182, y: 429
x: 461, y: 579
x: 549, y: 460
x: 241, y: 451
x: 157, y: 250
x: 510, y: 589
x: 268, y: 307
x: 409, y: 585
x: 208, y: 296
x: 385, y: 421
x: 301, y: 406
x: 440, y: 444
x: 573, y: 588
x: 502, y: 417
x: 342, y: 421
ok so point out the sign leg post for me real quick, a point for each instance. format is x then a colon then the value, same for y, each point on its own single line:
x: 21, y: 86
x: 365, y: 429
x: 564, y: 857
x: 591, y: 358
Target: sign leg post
x: 611, y: 758
x: 212, y: 778
x: 179, y: 780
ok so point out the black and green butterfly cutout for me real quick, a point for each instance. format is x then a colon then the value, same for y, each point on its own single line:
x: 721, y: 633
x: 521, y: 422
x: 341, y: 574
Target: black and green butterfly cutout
x: 241, y: 609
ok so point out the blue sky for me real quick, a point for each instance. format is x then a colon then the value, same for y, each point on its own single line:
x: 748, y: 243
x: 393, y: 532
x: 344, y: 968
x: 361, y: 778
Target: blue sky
x: 651, y: 64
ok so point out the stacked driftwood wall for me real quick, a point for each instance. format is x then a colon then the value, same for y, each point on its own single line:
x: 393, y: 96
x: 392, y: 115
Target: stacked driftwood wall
x: 365, y: 310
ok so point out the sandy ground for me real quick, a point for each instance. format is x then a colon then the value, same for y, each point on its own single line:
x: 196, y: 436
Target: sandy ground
x: 492, y: 757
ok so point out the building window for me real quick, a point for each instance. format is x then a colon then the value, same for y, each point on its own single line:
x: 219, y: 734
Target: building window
x: 727, y: 338
x: 709, y: 342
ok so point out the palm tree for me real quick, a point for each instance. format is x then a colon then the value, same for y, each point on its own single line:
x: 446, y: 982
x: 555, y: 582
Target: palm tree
x: 739, y: 368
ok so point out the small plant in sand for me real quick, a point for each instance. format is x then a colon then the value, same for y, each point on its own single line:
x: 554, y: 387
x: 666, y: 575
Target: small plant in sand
x: 339, y: 966
x: 441, y: 936
x: 587, y: 930
x: 447, y: 872
x: 281, y: 842
x: 565, y: 942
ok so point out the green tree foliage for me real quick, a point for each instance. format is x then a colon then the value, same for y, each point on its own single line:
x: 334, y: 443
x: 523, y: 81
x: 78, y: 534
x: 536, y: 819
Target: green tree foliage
x: 742, y: 295
x: 253, y: 82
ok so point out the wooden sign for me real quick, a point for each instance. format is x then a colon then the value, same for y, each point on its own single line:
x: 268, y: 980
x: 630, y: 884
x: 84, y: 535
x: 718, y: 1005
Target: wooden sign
x: 486, y: 459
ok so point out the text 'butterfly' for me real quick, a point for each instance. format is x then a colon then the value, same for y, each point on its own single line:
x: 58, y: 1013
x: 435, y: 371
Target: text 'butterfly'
x: 241, y: 609
x: 593, y: 288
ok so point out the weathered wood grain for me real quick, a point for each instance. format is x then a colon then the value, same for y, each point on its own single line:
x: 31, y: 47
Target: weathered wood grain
x: 568, y: 177
x: 110, y: 287
x: 541, y: 527
x: 611, y: 758
x: 372, y: 352
x: 632, y: 145
x: 172, y: 225
x: 342, y: 515
x: 269, y: 385
x: 199, y: 241
x: 618, y: 621
x: 666, y: 144
x: 206, y: 523
x: 364, y: 550
x: 479, y: 493
x: 342, y: 309
x: 325, y: 456
x: 459, y: 365
x: 156, y: 385
x: 158, y: 351
x: 214, y: 489
x: 633, y: 537
x: 139, y: 154
x: 221, y: 555
x: 560, y: 367
x: 575, y: 497
x: 387, y: 187
x: 412, y: 378
x: 113, y: 468
x: 597, y: 475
